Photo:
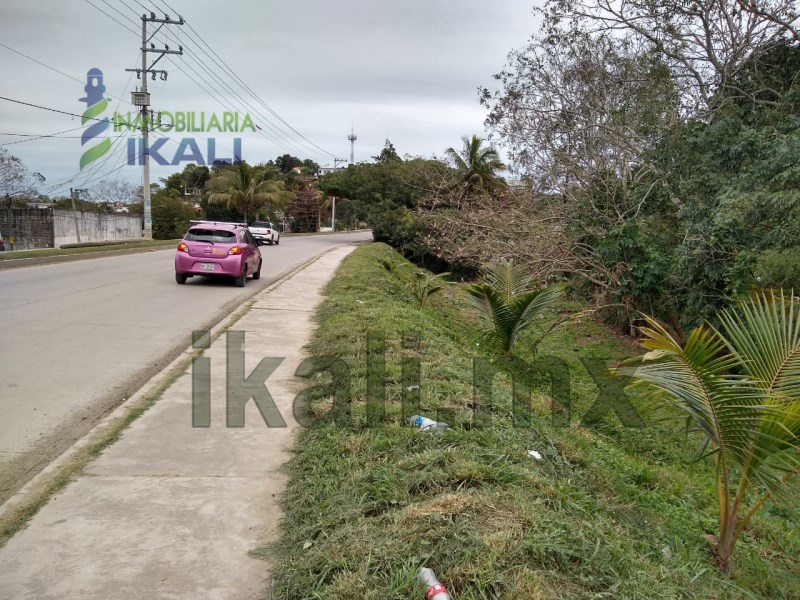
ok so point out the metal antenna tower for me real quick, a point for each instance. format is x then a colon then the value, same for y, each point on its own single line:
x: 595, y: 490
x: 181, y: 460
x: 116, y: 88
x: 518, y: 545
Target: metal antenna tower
x: 352, y: 137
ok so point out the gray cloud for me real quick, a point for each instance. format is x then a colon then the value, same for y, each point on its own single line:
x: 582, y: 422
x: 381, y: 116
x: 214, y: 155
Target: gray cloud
x: 407, y: 70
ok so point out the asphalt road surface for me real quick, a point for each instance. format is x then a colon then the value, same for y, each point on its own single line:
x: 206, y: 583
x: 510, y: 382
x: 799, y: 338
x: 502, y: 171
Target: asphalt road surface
x: 78, y: 338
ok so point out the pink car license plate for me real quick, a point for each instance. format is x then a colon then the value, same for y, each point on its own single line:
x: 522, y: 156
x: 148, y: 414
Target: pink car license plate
x: 206, y: 266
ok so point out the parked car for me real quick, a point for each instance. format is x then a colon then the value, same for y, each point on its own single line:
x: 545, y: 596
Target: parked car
x: 265, y: 232
x: 218, y: 249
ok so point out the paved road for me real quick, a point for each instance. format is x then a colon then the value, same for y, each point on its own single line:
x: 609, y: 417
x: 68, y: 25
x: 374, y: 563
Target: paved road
x: 78, y: 338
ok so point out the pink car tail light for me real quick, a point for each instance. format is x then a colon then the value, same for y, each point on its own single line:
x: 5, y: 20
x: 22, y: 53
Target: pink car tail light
x: 235, y: 250
x: 183, y: 248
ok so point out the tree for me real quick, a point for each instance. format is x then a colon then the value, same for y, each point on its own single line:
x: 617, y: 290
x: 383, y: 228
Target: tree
x: 388, y: 154
x: 171, y: 215
x: 194, y: 178
x: 248, y: 188
x: 189, y: 182
x: 704, y: 42
x: 581, y: 118
x: 740, y: 385
x: 110, y: 190
x: 310, y: 168
x: 477, y: 166
x: 15, y: 177
x: 736, y: 181
x: 287, y: 162
x: 304, y: 211
x: 384, y: 194
x: 507, y: 303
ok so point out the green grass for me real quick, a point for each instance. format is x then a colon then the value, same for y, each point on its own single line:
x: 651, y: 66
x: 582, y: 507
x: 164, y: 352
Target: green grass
x: 610, y: 512
x: 48, y: 252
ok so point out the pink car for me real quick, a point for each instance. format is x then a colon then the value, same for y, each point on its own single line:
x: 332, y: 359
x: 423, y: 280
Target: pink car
x: 226, y: 249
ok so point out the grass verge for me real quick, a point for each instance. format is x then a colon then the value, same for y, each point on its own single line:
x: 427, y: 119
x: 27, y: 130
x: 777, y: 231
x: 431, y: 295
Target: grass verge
x: 48, y: 252
x: 608, y: 512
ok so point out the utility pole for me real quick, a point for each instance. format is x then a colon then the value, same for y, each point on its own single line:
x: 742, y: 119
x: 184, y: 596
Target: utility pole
x: 141, y: 98
x: 352, y: 137
x: 10, y: 221
x: 333, y: 214
x: 74, y: 194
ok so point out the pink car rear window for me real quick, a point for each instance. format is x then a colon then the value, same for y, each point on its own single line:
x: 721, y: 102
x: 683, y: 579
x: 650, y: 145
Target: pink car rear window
x: 211, y: 235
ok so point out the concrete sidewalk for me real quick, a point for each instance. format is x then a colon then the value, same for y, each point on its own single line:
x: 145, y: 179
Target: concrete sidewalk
x: 171, y: 511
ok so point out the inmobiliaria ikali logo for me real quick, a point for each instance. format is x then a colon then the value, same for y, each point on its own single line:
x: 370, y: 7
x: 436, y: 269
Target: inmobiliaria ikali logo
x: 95, y: 134
x: 96, y: 142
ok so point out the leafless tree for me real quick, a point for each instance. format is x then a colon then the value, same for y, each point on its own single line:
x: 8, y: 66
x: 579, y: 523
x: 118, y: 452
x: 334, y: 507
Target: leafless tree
x: 111, y: 190
x: 16, y: 179
x: 704, y: 42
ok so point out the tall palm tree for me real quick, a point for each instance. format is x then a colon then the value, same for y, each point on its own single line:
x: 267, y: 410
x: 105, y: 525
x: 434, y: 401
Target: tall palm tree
x: 507, y: 303
x: 477, y: 165
x: 740, y: 384
x: 249, y: 188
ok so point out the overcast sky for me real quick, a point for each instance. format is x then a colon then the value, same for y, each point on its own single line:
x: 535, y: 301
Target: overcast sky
x: 408, y: 70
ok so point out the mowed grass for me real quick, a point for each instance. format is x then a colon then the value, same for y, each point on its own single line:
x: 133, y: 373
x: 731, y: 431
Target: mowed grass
x: 101, y: 247
x: 609, y: 511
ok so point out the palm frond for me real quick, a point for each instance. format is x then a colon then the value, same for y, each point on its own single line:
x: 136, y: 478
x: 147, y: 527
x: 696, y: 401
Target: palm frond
x: 698, y: 379
x: 504, y: 308
x: 508, y: 278
x: 764, y: 334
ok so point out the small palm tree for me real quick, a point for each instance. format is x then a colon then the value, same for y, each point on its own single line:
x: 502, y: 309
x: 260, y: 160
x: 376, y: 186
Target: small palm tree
x: 507, y: 303
x: 424, y: 285
x: 249, y: 188
x: 477, y: 165
x: 741, y: 386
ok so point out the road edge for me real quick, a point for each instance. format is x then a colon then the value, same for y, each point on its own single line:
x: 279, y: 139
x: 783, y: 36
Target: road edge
x: 39, y: 261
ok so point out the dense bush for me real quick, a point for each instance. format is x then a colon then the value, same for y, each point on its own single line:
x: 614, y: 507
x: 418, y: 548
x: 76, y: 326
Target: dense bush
x: 171, y: 216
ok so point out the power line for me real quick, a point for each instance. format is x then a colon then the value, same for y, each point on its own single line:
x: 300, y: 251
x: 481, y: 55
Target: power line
x: 100, y: 163
x: 143, y: 6
x: 119, y: 12
x: 256, y: 97
x: 33, y: 136
x: 55, y: 110
x: 41, y: 63
x: 95, y: 165
x: 278, y: 142
x: 246, y: 87
x: 282, y: 138
x: 110, y: 17
x: 82, y: 82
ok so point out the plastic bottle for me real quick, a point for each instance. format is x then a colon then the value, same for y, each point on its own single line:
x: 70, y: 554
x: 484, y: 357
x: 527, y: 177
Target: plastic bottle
x: 425, y: 424
x: 436, y: 591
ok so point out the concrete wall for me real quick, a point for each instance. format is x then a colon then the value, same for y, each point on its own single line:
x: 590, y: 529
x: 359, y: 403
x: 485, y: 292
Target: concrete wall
x: 33, y: 228
x: 48, y: 228
x: 95, y: 227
